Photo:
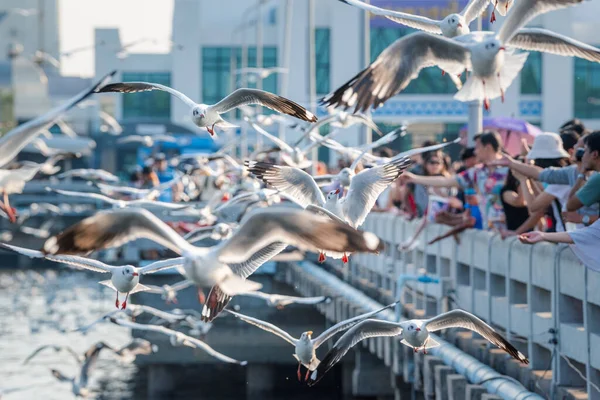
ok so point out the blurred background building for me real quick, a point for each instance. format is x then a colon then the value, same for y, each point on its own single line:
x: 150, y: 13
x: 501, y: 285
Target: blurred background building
x: 209, y: 43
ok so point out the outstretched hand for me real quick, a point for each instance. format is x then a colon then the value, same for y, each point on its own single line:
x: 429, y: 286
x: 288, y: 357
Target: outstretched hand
x: 501, y: 162
x: 531, y: 237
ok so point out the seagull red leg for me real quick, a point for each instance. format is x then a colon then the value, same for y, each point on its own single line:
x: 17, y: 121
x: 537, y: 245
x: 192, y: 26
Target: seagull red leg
x: 493, y: 17
x: 117, y: 301
x: 306, y: 375
x: 124, y: 305
x: 321, y: 258
x: 201, y: 296
x: 9, y: 210
x: 299, y: 373
x: 345, y: 258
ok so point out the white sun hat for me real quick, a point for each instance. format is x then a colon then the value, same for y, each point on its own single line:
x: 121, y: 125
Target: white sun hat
x: 547, y: 145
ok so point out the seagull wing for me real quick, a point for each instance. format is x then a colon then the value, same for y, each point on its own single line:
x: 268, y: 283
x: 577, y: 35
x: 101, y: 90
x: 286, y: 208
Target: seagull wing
x: 359, y: 332
x: 204, y: 230
x: 74, y: 261
x: 363, y: 119
x: 412, y: 152
x: 299, y: 228
x: 135, y: 87
x: 16, y: 139
x: 50, y: 346
x: 272, y: 101
x: 89, y: 364
x: 413, y: 21
x: 526, y: 10
x: 396, y: 66
x: 537, y: 39
x: 292, y: 181
x: 199, y: 344
x: 463, y: 319
x: 161, y: 265
x: 113, y: 228
x: 59, y: 375
x: 182, y: 285
x: 366, y: 187
x: 282, y: 145
x: 474, y: 9
x: 65, y: 128
x: 96, y: 196
x: 343, y: 325
x: 265, y: 326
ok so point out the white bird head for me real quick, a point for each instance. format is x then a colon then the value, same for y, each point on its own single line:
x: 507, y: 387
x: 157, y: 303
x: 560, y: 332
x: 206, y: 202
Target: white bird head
x: 454, y: 25
x: 345, y: 176
x: 411, y: 329
x: 490, y: 48
x: 306, y: 336
x: 198, y: 115
x: 129, y: 272
x: 333, y: 195
x: 222, y: 231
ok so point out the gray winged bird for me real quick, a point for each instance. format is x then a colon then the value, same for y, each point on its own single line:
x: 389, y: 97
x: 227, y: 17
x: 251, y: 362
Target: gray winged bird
x: 280, y: 301
x: 226, y: 265
x: 305, y: 346
x: 56, y: 348
x: 79, y: 384
x: 209, y: 116
x: 415, y: 334
x: 488, y: 55
x: 16, y: 139
x: 178, y: 339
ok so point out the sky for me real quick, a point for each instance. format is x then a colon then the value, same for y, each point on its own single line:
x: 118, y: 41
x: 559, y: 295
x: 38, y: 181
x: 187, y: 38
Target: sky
x: 136, y: 19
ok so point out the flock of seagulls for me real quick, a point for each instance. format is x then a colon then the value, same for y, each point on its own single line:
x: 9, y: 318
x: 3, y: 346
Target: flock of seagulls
x: 260, y: 210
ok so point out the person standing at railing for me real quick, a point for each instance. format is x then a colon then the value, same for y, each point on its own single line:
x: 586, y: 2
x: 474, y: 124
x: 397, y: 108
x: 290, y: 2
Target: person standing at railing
x: 487, y: 181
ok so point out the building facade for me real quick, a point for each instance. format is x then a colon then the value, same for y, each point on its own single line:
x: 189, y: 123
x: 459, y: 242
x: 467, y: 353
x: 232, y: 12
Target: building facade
x: 210, y: 43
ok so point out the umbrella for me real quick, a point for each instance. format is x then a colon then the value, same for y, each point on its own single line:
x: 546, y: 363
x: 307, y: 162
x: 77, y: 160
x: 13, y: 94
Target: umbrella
x: 512, y: 130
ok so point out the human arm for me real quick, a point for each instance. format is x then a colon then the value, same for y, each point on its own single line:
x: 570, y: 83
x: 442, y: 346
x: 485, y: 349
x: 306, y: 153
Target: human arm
x: 584, y: 192
x: 576, y: 218
x: 552, y: 237
x: 433, y: 181
x: 513, y: 198
x: 529, y: 170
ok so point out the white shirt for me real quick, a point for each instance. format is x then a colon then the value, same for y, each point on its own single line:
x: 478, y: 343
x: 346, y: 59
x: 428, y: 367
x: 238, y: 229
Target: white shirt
x: 561, y: 192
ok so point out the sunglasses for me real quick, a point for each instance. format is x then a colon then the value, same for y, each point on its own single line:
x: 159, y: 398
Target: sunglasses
x: 434, y: 162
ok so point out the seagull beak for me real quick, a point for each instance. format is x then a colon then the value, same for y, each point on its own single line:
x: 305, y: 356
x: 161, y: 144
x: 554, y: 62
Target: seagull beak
x: 337, y: 191
x: 418, y: 329
x: 502, y: 48
x: 459, y: 25
x: 309, y: 333
x: 135, y: 274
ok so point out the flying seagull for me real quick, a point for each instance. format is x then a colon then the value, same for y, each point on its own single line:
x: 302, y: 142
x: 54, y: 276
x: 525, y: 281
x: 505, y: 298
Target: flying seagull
x: 415, y: 334
x: 209, y: 116
x: 123, y: 278
x: 280, y: 301
x: 305, y: 347
x: 16, y: 139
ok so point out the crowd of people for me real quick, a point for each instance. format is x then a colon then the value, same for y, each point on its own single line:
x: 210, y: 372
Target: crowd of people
x: 549, y: 192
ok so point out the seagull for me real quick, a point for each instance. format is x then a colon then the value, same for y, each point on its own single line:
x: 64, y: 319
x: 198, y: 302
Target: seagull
x: 89, y: 174
x: 178, y: 339
x: 110, y: 124
x: 147, y: 140
x: 16, y: 139
x: 128, y: 353
x: 13, y: 181
x: 220, y: 231
x: 225, y: 266
x: 79, y: 383
x: 451, y: 26
x: 209, y: 116
x: 415, y: 334
x: 148, y: 194
x: 142, y: 203
x: 261, y: 73
x: 123, y: 279
x: 43, y: 232
x: 365, y: 188
x: 56, y: 348
x: 305, y: 347
x: 488, y: 55
x: 65, y: 128
x: 169, y: 292
x: 280, y: 301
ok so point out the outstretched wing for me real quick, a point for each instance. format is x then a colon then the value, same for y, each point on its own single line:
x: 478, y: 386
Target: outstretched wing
x: 243, y: 97
x: 537, y: 39
x: 359, y: 332
x: 292, y: 181
x: 162, y: 265
x: 474, y: 9
x: 135, y: 87
x: 463, y: 319
x: 265, y: 326
x: 396, y: 66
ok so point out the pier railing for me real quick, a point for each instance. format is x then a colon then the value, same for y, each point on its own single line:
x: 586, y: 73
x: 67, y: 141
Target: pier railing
x: 541, y: 296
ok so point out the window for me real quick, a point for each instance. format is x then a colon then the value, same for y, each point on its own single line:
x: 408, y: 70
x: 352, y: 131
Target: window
x: 151, y: 105
x: 531, y: 75
x: 430, y: 80
x: 587, y: 89
x: 323, y: 57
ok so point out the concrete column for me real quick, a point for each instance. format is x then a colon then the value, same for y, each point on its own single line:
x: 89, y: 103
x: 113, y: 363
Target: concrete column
x: 259, y: 380
x: 441, y: 383
x: 429, y: 375
x: 456, y: 387
x: 474, y: 392
x: 161, y: 381
x: 370, y: 377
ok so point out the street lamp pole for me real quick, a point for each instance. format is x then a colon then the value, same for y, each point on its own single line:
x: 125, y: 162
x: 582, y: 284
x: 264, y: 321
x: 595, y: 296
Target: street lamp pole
x: 475, y: 125
x: 312, y: 72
